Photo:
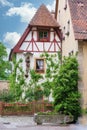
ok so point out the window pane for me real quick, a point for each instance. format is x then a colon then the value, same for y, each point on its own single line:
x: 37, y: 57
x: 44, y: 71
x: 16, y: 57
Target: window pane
x: 45, y: 34
x: 40, y: 34
x: 40, y: 65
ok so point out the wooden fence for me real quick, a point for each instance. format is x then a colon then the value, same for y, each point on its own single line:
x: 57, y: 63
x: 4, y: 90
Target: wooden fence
x: 24, y: 109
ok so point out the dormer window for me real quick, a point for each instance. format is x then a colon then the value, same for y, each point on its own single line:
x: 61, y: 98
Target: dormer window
x: 43, y: 35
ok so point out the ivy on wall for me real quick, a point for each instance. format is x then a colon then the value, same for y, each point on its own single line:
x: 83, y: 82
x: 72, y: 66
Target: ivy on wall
x: 17, y: 80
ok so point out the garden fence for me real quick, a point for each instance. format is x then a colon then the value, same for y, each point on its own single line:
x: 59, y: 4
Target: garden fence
x: 24, y: 108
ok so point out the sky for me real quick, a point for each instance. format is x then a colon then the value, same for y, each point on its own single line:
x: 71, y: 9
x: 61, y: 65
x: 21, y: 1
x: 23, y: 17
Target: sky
x: 15, y: 16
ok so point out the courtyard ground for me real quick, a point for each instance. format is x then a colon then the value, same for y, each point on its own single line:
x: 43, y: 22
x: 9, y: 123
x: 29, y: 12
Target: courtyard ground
x: 27, y: 123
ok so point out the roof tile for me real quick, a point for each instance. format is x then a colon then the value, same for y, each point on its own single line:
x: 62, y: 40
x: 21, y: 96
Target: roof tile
x: 78, y: 10
x: 43, y: 18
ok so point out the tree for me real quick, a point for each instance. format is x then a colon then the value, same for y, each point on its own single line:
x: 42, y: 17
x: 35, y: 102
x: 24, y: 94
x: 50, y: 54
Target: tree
x: 5, y: 66
x: 66, y: 94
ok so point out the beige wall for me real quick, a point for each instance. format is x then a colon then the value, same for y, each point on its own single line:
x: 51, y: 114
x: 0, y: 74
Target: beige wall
x: 69, y: 43
x: 85, y: 73
x: 82, y: 59
x: 81, y: 70
x: 4, y: 85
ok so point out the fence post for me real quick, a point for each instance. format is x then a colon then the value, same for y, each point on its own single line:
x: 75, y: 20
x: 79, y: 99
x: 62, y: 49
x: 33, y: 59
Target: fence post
x: 34, y: 107
x: 43, y: 106
x: 1, y: 108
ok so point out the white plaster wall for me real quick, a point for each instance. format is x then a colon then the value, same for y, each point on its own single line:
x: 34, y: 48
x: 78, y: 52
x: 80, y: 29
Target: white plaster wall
x: 69, y: 44
x: 35, y: 35
x: 28, y: 38
x: 51, y: 36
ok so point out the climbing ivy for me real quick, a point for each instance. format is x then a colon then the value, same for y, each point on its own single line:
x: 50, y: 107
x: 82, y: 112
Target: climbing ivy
x: 34, y: 90
x: 52, y: 69
x: 17, y: 80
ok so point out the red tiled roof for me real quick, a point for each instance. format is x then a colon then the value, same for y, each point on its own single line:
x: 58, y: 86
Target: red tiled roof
x: 78, y: 10
x: 43, y: 18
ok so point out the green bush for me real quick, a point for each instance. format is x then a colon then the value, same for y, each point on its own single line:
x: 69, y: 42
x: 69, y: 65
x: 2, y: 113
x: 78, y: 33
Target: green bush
x: 66, y: 94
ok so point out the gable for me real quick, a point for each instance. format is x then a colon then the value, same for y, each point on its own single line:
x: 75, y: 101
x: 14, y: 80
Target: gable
x: 29, y: 41
x: 32, y: 44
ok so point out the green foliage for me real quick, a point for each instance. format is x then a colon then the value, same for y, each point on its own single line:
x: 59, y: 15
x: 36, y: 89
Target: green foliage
x: 61, y: 79
x: 35, y: 77
x: 66, y: 95
x: 17, y: 81
x: 34, y: 91
x: 38, y: 93
x: 5, y: 66
x: 46, y: 88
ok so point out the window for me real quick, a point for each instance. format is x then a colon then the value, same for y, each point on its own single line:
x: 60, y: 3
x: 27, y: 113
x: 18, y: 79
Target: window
x: 43, y: 35
x: 39, y: 65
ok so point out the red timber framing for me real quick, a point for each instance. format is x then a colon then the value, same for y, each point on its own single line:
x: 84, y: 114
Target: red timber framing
x: 18, y: 45
x: 53, y: 45
x: 34, y: 44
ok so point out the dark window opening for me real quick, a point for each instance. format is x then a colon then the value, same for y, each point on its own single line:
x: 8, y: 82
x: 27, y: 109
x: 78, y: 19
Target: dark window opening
x: 43, y: 35
x: 40, y: 65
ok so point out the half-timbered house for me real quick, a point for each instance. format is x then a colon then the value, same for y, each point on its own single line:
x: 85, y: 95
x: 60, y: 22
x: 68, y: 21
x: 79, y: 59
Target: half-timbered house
x: 41, y: 35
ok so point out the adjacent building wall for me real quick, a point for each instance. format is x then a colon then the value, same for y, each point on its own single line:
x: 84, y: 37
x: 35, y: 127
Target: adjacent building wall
x: 69, y: 43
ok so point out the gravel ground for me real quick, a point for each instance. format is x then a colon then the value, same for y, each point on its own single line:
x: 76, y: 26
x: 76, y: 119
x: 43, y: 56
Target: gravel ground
x: 27, y: 123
